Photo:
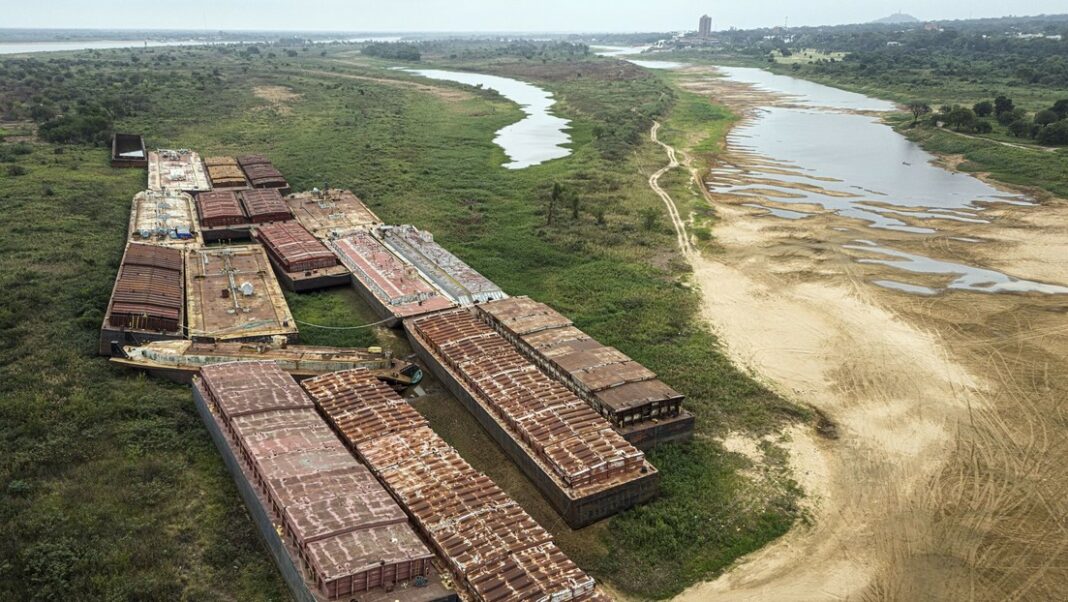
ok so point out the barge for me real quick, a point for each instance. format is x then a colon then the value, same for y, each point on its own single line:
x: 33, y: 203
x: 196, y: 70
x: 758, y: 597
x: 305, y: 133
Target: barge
x: 178, y: 169
x: 331, y: 213
x: 164, y: 217
x: 584, y: 468
x: 261, y: 173
x: 224, y: 172
x: 264, y: 205
x: 301, y: 261
x: 494, y: 548
x: 630, y: 396
x: 232, y: 295
x: 392, y: 287
x: 221, y: 216
x: 128, y: 150
x: 147, y: 299
x: 331, y: 528
x: 181, y: 360
x: 461, y: 282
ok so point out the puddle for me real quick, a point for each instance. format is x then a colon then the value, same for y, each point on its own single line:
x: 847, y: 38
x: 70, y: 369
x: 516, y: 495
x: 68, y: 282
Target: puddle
x: 535, y: 139
x: 914, y: 289
x: 965, y: 277
x: 783, y: 213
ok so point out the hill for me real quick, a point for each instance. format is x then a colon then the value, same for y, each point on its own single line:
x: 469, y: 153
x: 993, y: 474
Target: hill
x: 896, y: 18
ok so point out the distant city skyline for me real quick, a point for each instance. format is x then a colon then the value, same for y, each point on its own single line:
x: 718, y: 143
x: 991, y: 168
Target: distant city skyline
x: 491, y: 15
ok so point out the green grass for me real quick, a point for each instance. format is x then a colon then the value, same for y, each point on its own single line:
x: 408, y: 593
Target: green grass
x: 1039, y: 170
x: 165, y: 522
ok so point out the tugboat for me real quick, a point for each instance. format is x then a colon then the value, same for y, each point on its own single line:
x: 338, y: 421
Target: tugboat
x: 180, y: 360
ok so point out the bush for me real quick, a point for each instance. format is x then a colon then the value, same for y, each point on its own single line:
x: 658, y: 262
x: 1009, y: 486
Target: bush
x: 74, y: 129
x: 1056, y: 133
x: 1021, y: 128
x: 1060, y: 108
x: 16, y: 170
x: 392, y: 50
x: 1046, y: 117
x: 983, y: 127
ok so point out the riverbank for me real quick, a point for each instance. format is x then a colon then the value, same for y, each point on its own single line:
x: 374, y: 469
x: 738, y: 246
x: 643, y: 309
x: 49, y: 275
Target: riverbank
x: 945, y: 466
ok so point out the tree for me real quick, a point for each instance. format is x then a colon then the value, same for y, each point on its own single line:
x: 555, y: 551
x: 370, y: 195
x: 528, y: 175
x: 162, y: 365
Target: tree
x: 919, y: 108
x: 983, y: 108
x: 1061, y: 108
x: 573, y: 200
x: 1021, y: 127
x: 554, y: 199
x: 1046, y: 117
x: 650, y: 218
x: 1056, y: 133
x: 1007, y: 117
x: 1002, y: 104
x: 961, y: 119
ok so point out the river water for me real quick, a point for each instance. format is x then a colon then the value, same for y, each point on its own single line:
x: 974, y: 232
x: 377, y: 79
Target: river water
x: 33, y: 47
x: 818, y: 146
x: 538, y: 137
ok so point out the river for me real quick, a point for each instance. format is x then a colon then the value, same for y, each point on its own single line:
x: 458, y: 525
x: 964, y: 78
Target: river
x: 35, y: 47
x: 810, y: 149
x: 535, y: 139
x: 818, y: 149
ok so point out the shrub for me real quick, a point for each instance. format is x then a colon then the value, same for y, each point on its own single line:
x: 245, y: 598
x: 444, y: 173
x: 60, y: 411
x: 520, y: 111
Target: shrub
x: 1046, y: 117
x: 74, y: 129
x: 1056, y: 133
x: 16, y: 170
x: 392, y: 50
x: 1020, y: 128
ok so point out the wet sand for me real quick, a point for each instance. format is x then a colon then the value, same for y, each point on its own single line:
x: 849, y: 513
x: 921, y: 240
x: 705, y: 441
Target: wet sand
x: 949, y: 476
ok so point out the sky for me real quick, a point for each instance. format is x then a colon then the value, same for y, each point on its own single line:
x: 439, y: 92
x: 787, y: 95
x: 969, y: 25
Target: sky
x: 489, y: 15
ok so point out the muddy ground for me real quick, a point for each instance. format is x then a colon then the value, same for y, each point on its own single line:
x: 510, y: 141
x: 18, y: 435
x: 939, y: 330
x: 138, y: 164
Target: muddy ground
x: 949, y: 475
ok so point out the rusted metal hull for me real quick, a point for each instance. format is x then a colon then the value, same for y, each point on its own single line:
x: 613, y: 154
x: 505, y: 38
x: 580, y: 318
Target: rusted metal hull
x: 577, y: 509
x: 128, y: 150
x: 642, y: 408
x: 393, y: 288
x: 147, y: 299
x: 493, y: 547
x: 302, y: 585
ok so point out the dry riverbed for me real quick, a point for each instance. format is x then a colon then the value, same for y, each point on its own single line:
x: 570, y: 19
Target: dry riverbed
x: 948, y: 478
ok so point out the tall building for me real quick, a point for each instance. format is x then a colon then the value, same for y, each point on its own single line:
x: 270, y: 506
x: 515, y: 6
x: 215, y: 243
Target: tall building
x: 704, y: 27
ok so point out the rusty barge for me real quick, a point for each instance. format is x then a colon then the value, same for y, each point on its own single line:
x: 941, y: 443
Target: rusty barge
x: 147, y: 300
x: 582, y: 466
x: 234, y: 296
x: 392, y: 287
x: 630, y: 396
x: 301, y: 261
x: 333, y: 530
x: 181, y: 360
x: 494, y: 548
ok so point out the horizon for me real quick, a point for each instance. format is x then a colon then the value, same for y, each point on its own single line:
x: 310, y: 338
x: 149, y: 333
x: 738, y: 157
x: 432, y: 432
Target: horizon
x: 486, y: 17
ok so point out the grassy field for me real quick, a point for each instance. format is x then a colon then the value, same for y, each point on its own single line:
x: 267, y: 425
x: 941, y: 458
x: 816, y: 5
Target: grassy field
x: 114, y: 491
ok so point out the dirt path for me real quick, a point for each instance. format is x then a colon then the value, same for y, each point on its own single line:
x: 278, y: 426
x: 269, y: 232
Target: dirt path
x: 1041, y: 149
x: 681, y: 236
x: 948, y: 479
